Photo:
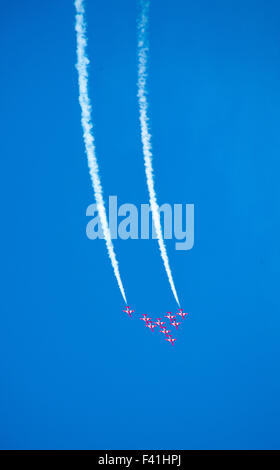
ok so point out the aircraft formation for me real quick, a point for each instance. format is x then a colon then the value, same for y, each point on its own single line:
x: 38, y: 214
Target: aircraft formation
x: 161, y: 324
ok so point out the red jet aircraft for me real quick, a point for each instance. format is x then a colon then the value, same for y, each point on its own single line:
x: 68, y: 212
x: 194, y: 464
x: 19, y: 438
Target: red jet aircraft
x: 182, y: 314
x: 165, y: 331
x: 171, y: 340
x: 169, y: 316
x: 176, y: 324
x: 150, y: 325
x: 159, y: 322
x: 145, y: 318
x: 128, y: 311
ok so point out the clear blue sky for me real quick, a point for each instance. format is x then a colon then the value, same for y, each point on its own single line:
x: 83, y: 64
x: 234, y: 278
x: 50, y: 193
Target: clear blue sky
x: 75, y: 371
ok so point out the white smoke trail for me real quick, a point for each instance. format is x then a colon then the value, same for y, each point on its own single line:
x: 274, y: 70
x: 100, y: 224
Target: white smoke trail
x: 86, y: 119
x: 143, y: 50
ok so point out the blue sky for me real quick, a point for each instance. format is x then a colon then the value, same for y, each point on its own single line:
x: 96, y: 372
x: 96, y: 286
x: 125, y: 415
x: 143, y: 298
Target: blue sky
x: 75, y: 372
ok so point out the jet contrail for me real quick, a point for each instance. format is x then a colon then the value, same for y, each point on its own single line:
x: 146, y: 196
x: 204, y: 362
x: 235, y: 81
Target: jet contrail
x: 143, y: 50
x: 86, y: 119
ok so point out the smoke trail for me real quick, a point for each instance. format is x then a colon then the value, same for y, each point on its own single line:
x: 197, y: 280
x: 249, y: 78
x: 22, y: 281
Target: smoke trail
x: 86, y: 119
x: 143, y: 50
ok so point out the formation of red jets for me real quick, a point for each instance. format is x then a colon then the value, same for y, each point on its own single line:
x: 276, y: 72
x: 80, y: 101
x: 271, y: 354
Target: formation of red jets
x: 159, y: 323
